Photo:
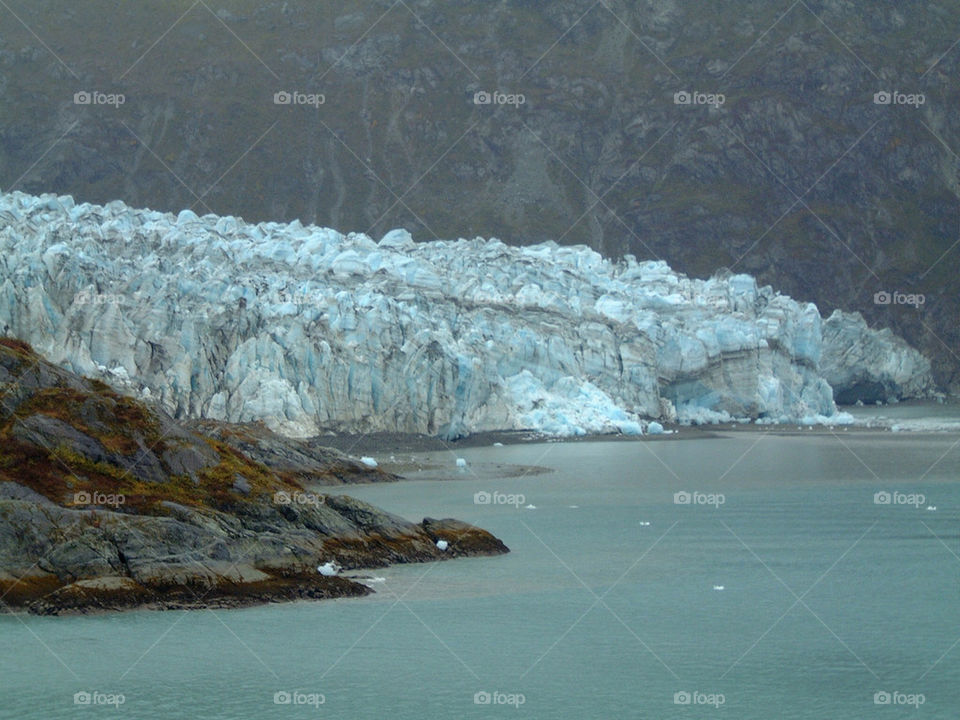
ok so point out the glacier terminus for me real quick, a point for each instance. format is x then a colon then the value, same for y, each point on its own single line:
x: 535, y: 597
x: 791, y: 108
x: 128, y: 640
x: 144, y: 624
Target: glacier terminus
x: 308, y: 329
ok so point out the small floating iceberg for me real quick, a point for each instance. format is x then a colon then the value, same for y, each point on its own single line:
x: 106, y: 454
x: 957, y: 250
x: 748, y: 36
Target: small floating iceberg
x: 442, y: 544
x: 461, y: 463
x: 368, y: 461
x: 530, y: 507
x: 718, y: 587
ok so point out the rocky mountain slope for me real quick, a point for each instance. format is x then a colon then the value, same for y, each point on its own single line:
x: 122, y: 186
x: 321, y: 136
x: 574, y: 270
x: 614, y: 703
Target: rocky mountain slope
x: 829, y: 170
x: 307, y: 329
x: 108, y: 503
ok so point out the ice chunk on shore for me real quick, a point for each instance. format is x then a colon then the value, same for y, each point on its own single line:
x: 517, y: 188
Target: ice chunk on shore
x: 329, y: 569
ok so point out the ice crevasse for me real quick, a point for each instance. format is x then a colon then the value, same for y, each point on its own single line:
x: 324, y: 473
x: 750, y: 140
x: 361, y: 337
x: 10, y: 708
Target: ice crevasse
x: 308, y: 329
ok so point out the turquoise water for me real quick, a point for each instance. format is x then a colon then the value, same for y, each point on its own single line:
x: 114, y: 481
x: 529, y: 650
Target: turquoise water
x: 827, y: 599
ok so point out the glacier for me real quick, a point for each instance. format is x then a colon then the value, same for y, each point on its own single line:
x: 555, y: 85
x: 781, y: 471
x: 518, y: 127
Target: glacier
x: 309, y: 330
x: 865, y: 365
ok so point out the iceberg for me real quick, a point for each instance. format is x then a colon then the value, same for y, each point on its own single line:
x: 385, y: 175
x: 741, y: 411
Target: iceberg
x: 308, y: 329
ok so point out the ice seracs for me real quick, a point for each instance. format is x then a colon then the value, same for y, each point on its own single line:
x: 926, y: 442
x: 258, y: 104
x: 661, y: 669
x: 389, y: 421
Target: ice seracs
x: 305, y: 328
x: 864, y: 365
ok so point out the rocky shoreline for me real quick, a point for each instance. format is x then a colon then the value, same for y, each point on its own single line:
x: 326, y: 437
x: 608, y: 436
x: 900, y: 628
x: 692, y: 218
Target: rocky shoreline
x: 107, y: 503
x: 178, y: 585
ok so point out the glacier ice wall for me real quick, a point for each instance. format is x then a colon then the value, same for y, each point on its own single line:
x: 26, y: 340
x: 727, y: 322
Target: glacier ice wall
x: 864, y: 365
x: 306, y: 328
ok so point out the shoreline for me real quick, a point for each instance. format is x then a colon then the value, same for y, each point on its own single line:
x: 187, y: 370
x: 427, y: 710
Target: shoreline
x: 258, y: 583
x: 390, y: 442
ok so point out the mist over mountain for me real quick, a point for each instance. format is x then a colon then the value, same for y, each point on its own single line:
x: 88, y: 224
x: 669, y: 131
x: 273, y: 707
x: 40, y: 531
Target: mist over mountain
x: 812, y: 145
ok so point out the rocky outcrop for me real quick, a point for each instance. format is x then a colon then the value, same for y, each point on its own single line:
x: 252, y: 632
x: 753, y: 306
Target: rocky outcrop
x: 299, y: 459
x: 106, y: 503
x: 55, y: 559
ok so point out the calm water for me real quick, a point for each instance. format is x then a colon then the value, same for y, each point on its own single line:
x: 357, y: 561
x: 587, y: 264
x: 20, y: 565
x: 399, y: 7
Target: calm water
x: 606, y: 608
